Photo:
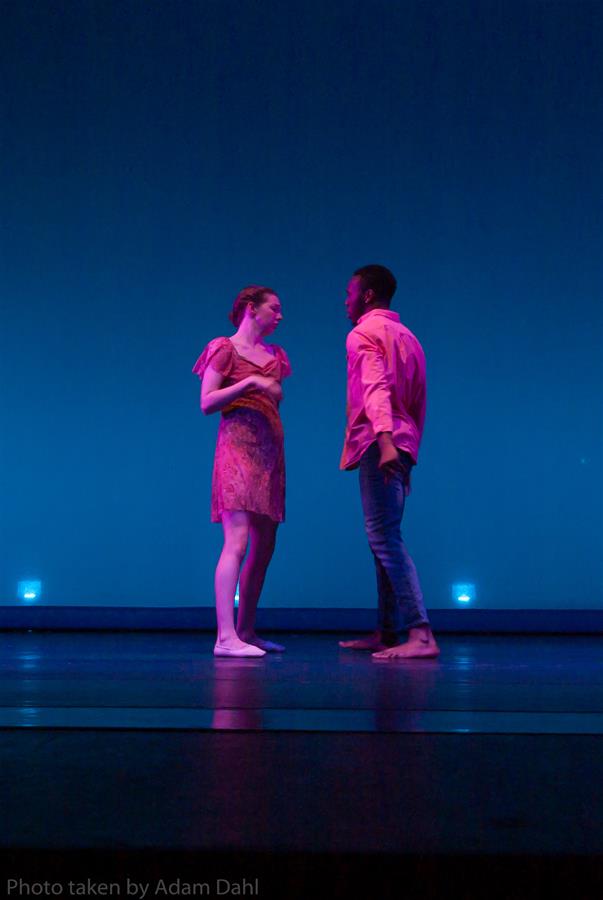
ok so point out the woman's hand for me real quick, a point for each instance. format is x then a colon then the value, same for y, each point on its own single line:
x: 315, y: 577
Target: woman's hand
x: 276, y: 391
x: 268, y: 385
x: 214, y: 397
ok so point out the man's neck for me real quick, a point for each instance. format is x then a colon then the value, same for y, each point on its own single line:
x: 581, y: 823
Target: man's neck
x: 373, y: 306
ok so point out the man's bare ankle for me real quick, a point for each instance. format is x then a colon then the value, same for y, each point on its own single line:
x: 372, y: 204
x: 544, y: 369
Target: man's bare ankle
x: 421, y: 633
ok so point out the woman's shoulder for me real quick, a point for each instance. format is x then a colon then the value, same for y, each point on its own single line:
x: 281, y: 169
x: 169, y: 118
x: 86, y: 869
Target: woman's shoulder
x: 283, y: 359
x: 220, y: 343
x: 219, y: 354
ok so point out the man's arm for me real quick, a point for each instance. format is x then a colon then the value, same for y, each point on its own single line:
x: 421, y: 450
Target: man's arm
x: 376, y: 399
x: 374, y: 383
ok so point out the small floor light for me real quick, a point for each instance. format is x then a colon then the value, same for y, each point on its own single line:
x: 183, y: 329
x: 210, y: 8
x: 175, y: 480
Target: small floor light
x: 463, y: 594
x: 29, y: 591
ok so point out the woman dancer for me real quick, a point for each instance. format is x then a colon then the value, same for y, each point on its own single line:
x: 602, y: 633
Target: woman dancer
x: 241, y: 377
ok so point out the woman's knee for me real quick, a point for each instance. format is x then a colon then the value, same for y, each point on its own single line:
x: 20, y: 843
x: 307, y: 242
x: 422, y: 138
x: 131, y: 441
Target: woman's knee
x: 265, y: 550
x: 235, y: 542
x: 236, y: 532
x: 260, y: 553
x: 263, y: 536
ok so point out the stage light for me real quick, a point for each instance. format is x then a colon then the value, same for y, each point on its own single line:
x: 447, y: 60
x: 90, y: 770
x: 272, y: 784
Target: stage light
x: 463, y: 593
x: 237, y: 596
x: 29, y: 591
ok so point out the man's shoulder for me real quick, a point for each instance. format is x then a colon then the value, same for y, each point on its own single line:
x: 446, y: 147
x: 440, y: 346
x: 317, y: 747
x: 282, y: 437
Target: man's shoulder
x: 359, y: 336
x: 379, y: 331
x: 407, y: 335
x: 378, y: 326
x: 372, y: 326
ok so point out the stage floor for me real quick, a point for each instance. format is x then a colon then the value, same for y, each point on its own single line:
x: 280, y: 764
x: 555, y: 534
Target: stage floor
x: 476, y: 775
x: 480, y: 685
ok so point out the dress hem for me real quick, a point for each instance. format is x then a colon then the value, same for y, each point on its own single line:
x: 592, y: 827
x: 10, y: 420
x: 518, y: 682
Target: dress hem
x: 256, y: 512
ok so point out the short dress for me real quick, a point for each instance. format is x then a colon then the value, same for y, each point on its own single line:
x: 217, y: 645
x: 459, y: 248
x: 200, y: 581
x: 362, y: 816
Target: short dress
x: 249, y: 463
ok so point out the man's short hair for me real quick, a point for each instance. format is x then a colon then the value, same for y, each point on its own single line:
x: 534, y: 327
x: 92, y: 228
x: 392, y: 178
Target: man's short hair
x: 378, y: 279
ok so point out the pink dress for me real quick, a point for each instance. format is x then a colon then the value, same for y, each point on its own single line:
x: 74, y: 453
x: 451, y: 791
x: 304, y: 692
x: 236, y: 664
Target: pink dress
x: 249, y: 464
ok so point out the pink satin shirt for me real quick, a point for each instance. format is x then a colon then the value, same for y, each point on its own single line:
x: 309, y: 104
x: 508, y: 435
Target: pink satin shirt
x: 386, y: 386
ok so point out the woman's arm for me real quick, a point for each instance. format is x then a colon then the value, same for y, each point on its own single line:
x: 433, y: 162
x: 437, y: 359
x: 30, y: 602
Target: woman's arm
x: 214, y: 398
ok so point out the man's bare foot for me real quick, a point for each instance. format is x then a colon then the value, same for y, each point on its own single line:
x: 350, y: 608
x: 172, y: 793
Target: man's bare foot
x: 267, y: 646
x: 370, y: 642
x: 414, y: 648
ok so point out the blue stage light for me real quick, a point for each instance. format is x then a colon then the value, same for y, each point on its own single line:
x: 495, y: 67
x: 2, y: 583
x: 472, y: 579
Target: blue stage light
x: 29, y: 591
x: 463, y: 593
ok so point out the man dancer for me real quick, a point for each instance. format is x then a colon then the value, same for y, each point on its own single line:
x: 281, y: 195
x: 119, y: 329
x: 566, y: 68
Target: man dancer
x: 385, y: 415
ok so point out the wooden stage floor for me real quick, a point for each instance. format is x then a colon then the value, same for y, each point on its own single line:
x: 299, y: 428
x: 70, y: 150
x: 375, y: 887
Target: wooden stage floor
x: 479, y: 774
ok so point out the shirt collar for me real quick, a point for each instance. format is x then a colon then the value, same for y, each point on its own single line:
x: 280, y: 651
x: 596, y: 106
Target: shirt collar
x: 388, y: 313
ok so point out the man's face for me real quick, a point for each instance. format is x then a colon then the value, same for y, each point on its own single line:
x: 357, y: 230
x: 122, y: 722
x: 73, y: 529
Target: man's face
x: 354, y: 299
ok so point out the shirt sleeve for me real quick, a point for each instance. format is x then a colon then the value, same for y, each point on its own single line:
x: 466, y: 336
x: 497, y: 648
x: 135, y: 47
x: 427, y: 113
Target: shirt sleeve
x: 418, y: 404
x: 418, y: 409
x: 374, y: 382
x: 284, y: 361
x: 219, y: 354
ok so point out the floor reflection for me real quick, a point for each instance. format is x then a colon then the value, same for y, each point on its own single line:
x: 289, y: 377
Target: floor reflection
x: 238, y: 694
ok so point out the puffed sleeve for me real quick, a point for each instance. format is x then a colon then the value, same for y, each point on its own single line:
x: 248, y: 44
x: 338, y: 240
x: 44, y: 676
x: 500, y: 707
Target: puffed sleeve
x: 284, y: 361
x: 219, y: 353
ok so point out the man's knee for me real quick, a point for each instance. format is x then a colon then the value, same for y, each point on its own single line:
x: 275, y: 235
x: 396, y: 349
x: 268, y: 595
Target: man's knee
x: 384, y: 541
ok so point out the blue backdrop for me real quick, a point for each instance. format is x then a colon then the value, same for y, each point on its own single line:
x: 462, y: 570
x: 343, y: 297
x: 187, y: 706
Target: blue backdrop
x: 157, y: 156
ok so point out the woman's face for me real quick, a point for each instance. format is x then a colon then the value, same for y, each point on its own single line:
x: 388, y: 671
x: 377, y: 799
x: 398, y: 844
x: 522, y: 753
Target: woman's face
x: 268, y: 313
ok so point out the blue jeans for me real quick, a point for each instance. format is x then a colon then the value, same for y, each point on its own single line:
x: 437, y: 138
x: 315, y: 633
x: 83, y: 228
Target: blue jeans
x: 400, y: 597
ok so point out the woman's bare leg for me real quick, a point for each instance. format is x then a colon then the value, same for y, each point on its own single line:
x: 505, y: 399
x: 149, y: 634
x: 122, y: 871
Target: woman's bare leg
x: 262, y: 534
x: 236, y: 535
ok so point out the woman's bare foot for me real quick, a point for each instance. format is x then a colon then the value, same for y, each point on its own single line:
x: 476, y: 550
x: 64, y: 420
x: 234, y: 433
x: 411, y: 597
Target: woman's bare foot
x: 370, y: 642
x: 421, y: 644
x: 266, y: 646
x: 235, y: 647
